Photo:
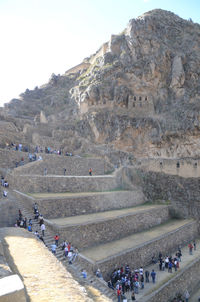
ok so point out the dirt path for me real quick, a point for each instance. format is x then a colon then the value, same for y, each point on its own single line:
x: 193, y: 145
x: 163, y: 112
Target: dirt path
x: 109, y: 249
x: 78, y: 220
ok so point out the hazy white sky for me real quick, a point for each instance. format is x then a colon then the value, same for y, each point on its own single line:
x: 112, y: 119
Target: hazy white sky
x: 41, y: 37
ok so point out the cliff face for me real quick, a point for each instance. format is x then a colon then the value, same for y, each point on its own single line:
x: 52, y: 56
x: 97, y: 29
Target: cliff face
x: 140, y: 92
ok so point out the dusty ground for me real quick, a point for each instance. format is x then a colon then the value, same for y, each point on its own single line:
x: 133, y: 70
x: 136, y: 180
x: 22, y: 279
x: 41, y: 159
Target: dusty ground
x: 44, y: 277
x: 106, y: 250
x: 101, y: 216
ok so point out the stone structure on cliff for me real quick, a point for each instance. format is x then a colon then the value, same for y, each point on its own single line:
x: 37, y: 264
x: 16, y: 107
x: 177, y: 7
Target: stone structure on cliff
x: 141, y: 86
x: 131, y: 112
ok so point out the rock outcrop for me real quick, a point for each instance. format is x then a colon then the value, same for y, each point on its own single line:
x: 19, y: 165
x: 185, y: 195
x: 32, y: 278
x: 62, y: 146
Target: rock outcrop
x: 139, y: 93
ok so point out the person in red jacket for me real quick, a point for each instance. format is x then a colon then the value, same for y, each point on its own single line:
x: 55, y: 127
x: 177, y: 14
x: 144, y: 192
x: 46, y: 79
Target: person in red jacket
x: 56, y: 239
x: 190, y: 248
x: 119, y: 294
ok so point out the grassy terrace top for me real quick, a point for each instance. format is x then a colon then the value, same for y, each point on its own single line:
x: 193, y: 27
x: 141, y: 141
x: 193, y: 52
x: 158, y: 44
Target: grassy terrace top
x: 70, y: 194
x: 78, y: 220
x: 104, y: 251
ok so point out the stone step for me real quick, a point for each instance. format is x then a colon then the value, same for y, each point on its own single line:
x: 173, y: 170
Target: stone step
x: 75, y: 267
x: 57, y: 183
x: 138, y: 249
x: 89, y: 230
x: 57, y: 205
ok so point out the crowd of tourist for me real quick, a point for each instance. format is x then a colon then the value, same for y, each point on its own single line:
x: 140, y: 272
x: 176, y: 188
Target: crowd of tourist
x: 37, y: 149
x: 69, y: 251
x: 124, y: 280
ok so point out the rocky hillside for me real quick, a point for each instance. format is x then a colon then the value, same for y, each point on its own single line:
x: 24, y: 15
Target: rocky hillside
x: 139, y: 93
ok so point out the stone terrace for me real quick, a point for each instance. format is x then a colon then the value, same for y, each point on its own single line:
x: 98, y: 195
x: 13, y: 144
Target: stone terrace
x: 138, y: 249
x: 58, y: 183
x: 112, y: 227
x: 92, y: 229
x: 55, y: 165
x: 57, y: 205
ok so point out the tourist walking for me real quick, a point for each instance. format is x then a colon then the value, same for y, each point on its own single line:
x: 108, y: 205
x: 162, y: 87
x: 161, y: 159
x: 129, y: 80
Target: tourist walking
x: 56, y: 238
x: 187, y: 295
x: 147, y: 276
x: 190, y: 246
x: 153, y: 276
x: 43, y: 229
x: 53, y: 248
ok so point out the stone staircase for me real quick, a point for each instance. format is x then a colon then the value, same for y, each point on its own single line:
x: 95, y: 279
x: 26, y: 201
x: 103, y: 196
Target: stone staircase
x: 75, y: 267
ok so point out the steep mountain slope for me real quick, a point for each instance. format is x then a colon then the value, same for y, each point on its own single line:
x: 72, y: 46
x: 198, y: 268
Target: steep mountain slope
x: 139, y: 93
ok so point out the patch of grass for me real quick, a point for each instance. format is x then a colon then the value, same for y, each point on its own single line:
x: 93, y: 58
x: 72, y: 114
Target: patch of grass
x: 109, y: 172
x: 87, y: 155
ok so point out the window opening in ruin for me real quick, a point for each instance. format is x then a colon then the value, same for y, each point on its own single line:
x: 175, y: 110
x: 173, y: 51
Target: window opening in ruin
x: 140, y: 98
x: 178, y: 165
x: 146, y: 98
x: 135, y: 98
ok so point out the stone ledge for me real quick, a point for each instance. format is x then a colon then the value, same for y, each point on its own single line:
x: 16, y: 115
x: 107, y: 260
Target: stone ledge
x: 12, y: 289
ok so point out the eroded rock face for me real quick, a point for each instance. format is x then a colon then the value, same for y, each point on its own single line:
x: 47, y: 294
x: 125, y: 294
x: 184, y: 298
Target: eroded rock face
x: 139, y: 92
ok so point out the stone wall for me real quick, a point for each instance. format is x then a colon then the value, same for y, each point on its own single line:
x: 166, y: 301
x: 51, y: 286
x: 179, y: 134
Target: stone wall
x: 12, y: 289
x: 184, y: 193
x: 36, y: 184
x: 56, y: 164
x: 106, y: 230
x: 141, y: 255
x: 187, y: 167
x: 188, y: 278
x: 11, y: 286
x: 8, y: 212
x: 85, y: 204
x: 8, y: 158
